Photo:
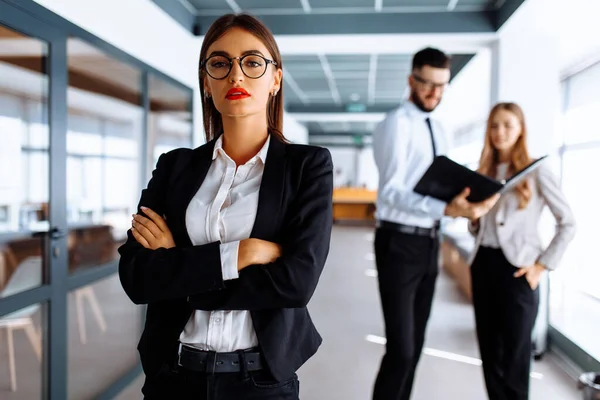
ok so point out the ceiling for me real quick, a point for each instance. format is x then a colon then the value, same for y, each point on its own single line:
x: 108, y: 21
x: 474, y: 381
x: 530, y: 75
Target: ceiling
x: 318, y: 82
x: 352, y: 82
x: 349, y: 16
x: 218, y: 7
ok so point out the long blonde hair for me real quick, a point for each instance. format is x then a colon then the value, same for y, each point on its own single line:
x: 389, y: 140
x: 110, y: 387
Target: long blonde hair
x: 488, y: 163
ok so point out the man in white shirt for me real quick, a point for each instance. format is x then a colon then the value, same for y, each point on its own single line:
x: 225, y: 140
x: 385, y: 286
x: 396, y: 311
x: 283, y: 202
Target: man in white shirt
x: 406, y: 239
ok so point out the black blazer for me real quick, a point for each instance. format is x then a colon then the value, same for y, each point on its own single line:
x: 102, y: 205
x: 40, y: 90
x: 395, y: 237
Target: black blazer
x: 294, y: 210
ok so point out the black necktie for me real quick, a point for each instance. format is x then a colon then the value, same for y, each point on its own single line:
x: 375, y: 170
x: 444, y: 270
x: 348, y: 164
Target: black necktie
x: 431, y: 134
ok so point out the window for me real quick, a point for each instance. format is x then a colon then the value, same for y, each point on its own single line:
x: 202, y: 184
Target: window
x: 575, y: 294
x: 169, y: 120
x: 99, y: 135
x: 24, y: 161
x: 103, y: 140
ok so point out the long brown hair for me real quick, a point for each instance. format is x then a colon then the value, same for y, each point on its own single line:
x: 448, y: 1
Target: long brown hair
x: 213, y: 124
x: 488, y: 163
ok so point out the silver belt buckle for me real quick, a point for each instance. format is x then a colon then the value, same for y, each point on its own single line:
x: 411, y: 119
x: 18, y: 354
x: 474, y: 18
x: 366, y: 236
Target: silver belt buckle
x: 433, y: 232
x: 179, y: 354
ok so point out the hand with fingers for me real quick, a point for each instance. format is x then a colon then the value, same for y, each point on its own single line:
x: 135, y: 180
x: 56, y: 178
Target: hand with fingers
x: 533, y: 274
x: 153, y: 232
x: 256, y: 251
x: 461, y: 207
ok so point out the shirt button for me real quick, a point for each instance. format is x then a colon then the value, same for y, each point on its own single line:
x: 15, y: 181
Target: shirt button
x: 218, y: 321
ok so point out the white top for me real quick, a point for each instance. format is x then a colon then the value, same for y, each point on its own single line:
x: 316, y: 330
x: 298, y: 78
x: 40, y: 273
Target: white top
x: 224, y: 209
x: 489, y: 236
x: 403, y: 152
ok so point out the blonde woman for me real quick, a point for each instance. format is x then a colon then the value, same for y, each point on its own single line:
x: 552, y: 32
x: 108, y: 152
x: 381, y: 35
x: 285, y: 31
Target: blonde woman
x: 509, y: 259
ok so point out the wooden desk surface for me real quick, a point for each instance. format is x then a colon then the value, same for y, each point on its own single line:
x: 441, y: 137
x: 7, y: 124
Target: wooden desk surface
x: 354, y: 204
x: 354, y: 196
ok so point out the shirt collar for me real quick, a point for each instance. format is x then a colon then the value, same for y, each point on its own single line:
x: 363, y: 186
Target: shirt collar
x: 261, y: 155
x: 416, y: 112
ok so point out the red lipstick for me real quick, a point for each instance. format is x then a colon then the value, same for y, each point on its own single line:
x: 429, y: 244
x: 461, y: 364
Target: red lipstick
x: 237, y: 94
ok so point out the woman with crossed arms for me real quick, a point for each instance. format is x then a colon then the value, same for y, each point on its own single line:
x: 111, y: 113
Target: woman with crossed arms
x: 230, y: 238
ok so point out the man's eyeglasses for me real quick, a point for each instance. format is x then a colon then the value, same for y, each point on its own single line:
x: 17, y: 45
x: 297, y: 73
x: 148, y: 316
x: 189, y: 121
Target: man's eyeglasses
x: 429, y: 85
x: 252, y: 65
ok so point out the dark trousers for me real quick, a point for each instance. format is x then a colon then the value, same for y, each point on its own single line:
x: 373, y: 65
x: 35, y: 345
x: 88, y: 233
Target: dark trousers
x: 407, y: 269
x: 182, y: 384
x: 505, y: 312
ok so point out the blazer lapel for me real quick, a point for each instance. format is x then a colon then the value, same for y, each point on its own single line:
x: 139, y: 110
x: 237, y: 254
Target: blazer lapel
x: 189, y: 182
x: 271, y: 192
x: 503, y: 212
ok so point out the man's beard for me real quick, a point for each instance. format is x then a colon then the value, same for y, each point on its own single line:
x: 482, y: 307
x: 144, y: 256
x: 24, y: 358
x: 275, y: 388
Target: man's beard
x: 417, y: 102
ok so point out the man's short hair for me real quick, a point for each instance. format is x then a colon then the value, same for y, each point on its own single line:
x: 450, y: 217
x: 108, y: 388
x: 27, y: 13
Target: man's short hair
x: 432, y: 57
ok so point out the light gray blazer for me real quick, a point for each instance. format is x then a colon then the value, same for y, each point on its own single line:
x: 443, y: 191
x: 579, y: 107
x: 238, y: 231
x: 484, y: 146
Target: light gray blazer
x: 518, y: 229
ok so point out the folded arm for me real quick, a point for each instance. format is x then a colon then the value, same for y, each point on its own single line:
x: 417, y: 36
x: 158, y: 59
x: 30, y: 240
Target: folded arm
x: 290, y: 281
x: 166, y: 273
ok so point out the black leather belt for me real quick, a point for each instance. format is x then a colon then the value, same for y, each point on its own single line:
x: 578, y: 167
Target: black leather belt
x: 409, y: 229
x: 212, y: 362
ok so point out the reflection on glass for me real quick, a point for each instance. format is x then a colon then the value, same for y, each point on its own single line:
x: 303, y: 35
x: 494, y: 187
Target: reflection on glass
x: 170, y: 118
x: 104, y: 327
x: 575, y: 294
x: 21, y: 353
x: 104, y: 130
x: 24, y: 169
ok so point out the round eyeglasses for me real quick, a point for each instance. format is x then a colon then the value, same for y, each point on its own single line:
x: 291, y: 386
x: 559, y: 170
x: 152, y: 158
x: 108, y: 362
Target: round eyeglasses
x: 252, y: 65
x: 429, y: 85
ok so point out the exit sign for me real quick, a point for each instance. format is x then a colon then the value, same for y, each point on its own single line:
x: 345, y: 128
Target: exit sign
x: 357, y: 140
x: 356, y: 107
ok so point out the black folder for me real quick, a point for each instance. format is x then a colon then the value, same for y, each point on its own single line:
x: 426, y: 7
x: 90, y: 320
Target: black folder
x: 445, y: 179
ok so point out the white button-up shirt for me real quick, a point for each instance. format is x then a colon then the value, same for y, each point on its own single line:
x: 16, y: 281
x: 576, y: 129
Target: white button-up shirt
x: 224, y: 209
x: 489, y: 236
x: 403, y: 152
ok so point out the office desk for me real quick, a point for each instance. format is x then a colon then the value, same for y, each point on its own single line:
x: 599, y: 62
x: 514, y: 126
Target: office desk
x: 354, y: 204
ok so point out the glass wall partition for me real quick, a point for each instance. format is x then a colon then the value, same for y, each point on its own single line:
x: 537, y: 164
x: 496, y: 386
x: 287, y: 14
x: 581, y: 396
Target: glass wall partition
x: 80, y: 122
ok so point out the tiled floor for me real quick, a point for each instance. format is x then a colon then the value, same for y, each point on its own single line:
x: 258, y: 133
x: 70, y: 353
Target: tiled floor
x: 346, y: 310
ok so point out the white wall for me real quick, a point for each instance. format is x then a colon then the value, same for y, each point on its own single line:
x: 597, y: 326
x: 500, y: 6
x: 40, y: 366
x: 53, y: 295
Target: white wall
x: 293, y: 130
x: 357, y: 167
x: 467, y: 100
x: 344, y: 160
x: 142, y: 29
x: 543, y: 40
x: 579, y: 32
x: 367, y: 173
x: 138, y: 27
x: 527, y: 70
x: 573, y: 24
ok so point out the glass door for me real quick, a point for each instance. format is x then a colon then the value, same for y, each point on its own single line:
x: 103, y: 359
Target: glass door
x: 32, y: 222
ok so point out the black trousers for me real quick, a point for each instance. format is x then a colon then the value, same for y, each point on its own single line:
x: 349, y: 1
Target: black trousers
x: 183, y: 384
x: 407, y: 270
x: 505, y: 311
